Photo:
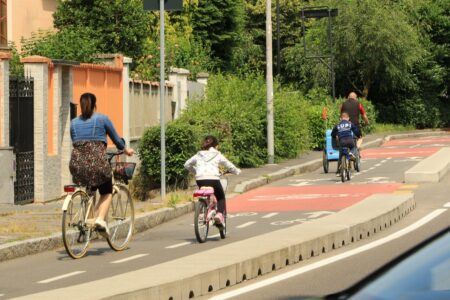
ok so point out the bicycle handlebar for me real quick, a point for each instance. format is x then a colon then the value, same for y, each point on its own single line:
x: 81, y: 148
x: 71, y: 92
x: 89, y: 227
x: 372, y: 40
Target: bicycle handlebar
x: 112, y: 154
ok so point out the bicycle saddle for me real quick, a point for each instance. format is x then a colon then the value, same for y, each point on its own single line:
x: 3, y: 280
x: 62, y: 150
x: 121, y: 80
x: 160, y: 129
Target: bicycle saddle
x: 204, y: 191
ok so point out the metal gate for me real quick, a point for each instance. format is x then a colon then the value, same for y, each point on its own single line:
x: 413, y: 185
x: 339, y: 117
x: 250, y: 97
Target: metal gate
x: 21, y: 126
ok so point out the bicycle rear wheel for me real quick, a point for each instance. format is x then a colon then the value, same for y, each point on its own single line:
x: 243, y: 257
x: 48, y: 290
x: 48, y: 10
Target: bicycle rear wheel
x: 120, y: 219
x: 357, y: 162
x: 200, y: 224
x: 343, y: 168
x: 76, y: 233
x: 223, y: 228
x: 325, y: 162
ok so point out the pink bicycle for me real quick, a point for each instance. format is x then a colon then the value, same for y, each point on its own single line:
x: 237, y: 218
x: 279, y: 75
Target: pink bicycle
x: 205, y: 210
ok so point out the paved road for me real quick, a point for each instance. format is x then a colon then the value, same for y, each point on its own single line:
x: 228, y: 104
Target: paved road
x: 293, y: 200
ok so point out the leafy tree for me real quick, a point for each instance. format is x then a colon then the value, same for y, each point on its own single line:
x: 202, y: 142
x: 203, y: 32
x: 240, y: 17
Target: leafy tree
x: 15, y: 66
x: 70, y: 44
x: 119, y: 26
x: 183, y: 50
x: 219, y: 23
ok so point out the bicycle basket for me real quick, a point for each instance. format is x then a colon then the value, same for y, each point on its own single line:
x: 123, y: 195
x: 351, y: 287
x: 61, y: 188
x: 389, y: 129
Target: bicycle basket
x: 123, y: 170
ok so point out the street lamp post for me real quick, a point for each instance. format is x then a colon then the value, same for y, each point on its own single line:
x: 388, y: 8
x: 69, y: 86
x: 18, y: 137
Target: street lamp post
x: 269, y: 80
x: 155, y: 5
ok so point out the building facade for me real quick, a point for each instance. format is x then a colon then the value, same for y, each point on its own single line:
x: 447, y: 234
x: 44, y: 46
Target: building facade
x: 20, y: 18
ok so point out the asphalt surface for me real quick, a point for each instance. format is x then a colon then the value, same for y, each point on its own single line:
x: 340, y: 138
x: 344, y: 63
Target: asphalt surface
x: 341, y: 274
x: 176, y: 238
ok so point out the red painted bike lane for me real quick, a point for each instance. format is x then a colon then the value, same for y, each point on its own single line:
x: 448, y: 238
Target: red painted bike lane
x: 333, y: 197
x: 305, y: 198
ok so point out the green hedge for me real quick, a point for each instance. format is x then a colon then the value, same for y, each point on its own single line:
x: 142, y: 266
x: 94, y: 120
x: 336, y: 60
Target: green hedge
x: 234, y: 110
x: 181, y: 143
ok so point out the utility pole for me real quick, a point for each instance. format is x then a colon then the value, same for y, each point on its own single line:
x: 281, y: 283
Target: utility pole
x: 278, y: 39
x: 269, y: 83
x: 162, y: 109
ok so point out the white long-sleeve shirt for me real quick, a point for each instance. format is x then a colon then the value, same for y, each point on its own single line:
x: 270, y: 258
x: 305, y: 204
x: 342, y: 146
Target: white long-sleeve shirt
x: 205, y: 164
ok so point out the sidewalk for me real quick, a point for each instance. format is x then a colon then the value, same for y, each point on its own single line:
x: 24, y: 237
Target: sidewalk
x: 38, y: 226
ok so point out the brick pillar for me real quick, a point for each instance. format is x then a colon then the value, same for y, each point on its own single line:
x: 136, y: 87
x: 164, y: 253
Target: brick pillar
x: 178, y: 77
x: 4, y: 98
x: 126, y: 98
x: 65, y: 142
x: 37, y: 67
x: 202, y: 78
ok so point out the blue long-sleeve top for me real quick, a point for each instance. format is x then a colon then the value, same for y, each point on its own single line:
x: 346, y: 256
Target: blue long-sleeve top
x: 345, y: 129
x: 96, y: 128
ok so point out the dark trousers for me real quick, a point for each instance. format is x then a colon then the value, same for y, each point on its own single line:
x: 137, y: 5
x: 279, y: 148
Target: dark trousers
x: 218, y: 192
x: 345, y: 142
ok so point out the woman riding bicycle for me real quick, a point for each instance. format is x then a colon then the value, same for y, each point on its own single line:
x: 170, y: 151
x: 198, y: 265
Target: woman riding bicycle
x: 88, y: 163
x: 205, y: 165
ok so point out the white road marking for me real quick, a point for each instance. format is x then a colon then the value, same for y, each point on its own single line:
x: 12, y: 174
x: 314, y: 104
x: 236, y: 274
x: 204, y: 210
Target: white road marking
x: 317, y: 214
x: 246, y: 224
x: 378, y: 164
x: 61, y: 277
x: 1, y: 295
x: 301, y: 197
x: 288, y: 222
x: 215, y: 236
x: 246, y: 214
x: 178, y: 245
x: 330, y: 260
x: 269, y: 215
x: 447, y: 204
x: 129, y: 258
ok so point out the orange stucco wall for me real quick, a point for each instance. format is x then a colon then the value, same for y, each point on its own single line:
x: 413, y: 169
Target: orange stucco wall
x: 27, y: 16
x: 106, y: 84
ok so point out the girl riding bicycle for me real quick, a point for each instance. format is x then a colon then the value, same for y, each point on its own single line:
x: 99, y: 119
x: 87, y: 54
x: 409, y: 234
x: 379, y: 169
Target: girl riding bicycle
x: 205, y: 165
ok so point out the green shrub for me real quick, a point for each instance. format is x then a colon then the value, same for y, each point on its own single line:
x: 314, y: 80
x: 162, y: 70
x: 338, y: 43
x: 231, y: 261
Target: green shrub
x: 234, y: 111
x: 292, y: 134
x: 418, y: 112
x: 181, y: 144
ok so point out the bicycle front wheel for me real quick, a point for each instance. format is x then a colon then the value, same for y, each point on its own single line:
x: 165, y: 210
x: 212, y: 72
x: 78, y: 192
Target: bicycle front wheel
x: 200, y: 223
x: 120, y: 219
x: 76, y: 233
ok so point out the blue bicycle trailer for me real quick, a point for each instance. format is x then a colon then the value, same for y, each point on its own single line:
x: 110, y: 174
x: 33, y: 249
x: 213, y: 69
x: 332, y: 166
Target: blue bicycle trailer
x: 330, y: 152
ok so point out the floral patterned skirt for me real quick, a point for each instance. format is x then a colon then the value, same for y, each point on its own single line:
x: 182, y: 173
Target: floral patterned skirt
x: 89, y: 165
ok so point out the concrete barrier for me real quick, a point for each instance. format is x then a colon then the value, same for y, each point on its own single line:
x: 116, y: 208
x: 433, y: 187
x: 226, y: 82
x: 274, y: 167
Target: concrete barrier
x: 197, y: 275
x: 431, y: 169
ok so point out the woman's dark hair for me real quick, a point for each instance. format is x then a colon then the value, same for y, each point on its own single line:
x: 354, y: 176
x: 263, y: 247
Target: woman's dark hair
x: 88, y: 105
x: 209, y: 141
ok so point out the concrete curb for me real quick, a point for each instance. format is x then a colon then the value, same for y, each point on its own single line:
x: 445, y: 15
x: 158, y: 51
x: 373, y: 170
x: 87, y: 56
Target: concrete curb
x: 142, y: 223
x: 193, y: 275
x: 431, y: 169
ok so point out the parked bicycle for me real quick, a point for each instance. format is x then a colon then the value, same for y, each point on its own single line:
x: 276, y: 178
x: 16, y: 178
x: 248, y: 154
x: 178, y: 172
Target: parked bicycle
x: 79, y: 212
x: 205, y: 210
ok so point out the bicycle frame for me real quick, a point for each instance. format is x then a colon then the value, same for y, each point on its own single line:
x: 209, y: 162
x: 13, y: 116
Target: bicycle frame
x: 210, y: 201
